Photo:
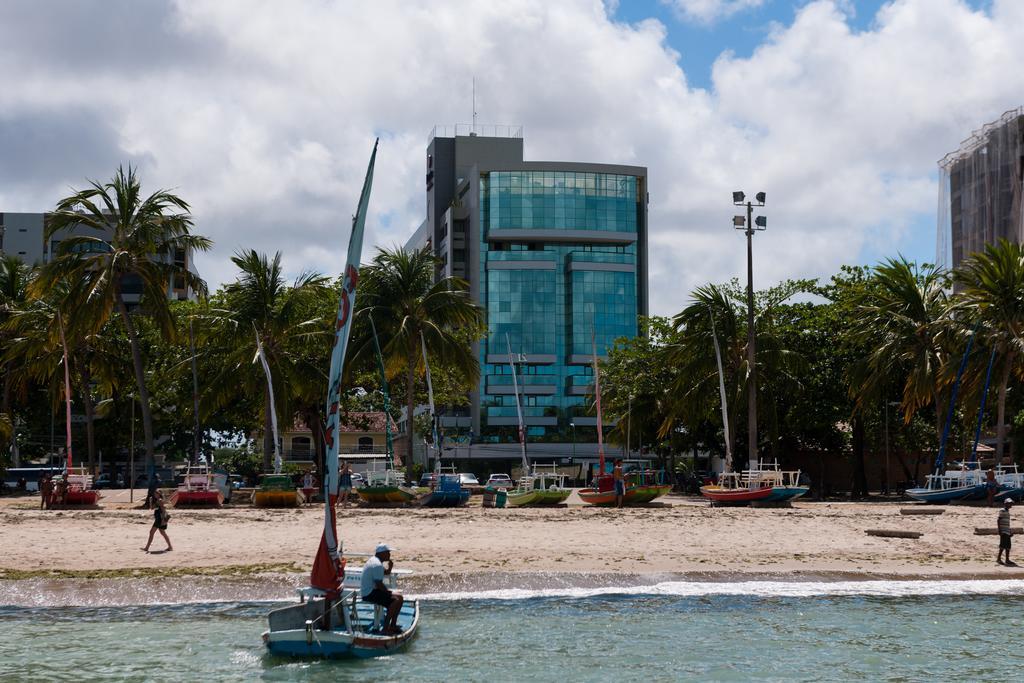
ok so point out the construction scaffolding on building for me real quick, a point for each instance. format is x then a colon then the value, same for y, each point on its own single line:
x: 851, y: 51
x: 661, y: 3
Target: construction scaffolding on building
x: 981, y: 187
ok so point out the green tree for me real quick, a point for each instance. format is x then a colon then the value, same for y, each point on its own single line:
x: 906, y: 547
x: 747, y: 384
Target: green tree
x: 992, y: 293
x: 139, y: 240
x: 288, y: 319
x: 904, y: 318
x: 14, y: 280
x: 695, y: 392
x: 399, y: 292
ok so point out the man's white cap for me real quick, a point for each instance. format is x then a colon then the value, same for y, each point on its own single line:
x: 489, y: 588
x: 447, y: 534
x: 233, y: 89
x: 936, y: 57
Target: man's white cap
x: 382, y: 548
x: 1008, y: 501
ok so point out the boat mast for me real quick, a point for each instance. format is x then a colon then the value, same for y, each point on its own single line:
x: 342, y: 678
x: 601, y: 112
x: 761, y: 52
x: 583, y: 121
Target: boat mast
x: 67, y: 389
x: 981, y: 410
x: 195, y: 394
x: 941, y: 457
x: 387, y: 397
x: 327, y: 564
x: 597, y: 400
x: 721, y: 393
x: 519, y: 409
x: 433, y: 414
x: 273, y: 409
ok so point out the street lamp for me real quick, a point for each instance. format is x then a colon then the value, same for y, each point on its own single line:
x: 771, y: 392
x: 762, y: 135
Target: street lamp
x: 572, y: 460
x: 749, y: 224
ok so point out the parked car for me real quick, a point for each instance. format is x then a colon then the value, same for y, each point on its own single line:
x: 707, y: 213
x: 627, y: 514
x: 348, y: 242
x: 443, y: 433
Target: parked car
x: 103, y: 481
x: 357, y: 480
x: 236, y: 481
x: 429, y: 479
x: 468, y: 479
x: 500, y: 481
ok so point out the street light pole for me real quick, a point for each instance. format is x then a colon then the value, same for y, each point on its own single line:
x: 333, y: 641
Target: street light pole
x: 573, y: 464
x: 750, y: 225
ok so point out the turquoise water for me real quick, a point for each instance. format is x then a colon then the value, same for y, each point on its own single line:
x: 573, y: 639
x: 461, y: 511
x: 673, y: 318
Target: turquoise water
x: 608, y: 636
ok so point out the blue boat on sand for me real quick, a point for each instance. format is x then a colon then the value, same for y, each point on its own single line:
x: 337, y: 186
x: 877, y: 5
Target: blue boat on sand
x: 448, y: 493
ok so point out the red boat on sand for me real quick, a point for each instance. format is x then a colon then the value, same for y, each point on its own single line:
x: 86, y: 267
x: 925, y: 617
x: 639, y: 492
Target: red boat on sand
x: 735, y: 489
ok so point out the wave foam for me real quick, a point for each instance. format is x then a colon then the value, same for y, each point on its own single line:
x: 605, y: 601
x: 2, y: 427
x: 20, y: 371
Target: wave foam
x: 766, y: 589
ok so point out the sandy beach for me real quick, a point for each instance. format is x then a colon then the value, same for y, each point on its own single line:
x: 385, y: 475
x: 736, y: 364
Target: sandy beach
x: 683, y: 536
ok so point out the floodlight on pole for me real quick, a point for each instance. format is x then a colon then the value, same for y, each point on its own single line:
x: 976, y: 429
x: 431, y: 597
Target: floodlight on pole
x: 750, y: 225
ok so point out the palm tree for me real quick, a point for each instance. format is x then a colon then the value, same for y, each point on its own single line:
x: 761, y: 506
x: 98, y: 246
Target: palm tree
x: 36, y: 352
x: 14, y: 279
x: 138, y: 240
x: 695, y: 394
x: 905, y: 319
x: 993, y: 294
x: 399, y: 292
x: 290, y: 320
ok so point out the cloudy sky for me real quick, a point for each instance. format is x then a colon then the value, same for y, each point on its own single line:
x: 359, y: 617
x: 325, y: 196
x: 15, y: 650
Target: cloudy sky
x: 262, y: 114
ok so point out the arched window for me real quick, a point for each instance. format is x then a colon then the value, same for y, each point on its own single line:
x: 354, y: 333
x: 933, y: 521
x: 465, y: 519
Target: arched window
x: 366, y: 444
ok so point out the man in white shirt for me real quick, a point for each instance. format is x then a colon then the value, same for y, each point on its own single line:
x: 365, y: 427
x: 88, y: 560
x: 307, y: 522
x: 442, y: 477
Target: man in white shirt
x: 374, y: 591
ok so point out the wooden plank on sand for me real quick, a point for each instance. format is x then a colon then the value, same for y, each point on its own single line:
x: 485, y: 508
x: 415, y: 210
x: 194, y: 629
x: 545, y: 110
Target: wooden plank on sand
x: 992, y: 531
x: 894, y: 533
x: 921, y: 511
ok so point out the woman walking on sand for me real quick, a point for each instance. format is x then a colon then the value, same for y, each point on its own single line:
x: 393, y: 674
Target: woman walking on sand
x: 160, y: 519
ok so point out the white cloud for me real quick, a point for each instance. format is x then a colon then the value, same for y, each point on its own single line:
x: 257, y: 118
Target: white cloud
x: 710, y: 11
x: 262, y: 115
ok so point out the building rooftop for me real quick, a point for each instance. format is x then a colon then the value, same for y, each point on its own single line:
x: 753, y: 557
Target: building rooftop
x: 979, y: 138
x: 486, y: 130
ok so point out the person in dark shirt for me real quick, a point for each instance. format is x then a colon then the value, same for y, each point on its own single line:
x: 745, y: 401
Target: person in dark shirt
x: 160, y: 519
x: 1005, y: 533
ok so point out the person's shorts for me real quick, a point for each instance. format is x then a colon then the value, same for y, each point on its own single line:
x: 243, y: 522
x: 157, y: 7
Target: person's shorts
x: 620, y: 488
x: 345, y: 488
x: 1004, y: 541
x: 379, y: 597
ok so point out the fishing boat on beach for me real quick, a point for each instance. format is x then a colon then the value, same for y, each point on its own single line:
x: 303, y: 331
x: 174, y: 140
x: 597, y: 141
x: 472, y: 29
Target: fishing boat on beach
x: 641, y: 486
x: 330, y: 619
x: 276, y: 491
x: 738, y: 488
x: 200, y: 487
x: 543, y: 486
x: 447, y: 492
x: 952, y: 486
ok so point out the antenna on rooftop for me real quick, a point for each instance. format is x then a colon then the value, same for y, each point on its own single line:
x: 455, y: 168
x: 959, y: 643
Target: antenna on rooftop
x: 474, y: 105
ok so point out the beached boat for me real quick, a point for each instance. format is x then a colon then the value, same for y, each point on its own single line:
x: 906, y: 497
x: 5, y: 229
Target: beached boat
x: 80, y: 490
x: 642, y: 487
x: 330, y: 619
x: 785, y: 484
x: 447, y: 493
x: 738, y: 488
x: 386, y: 487
x: 200, y: 487
x: 543, y: 486
x: 952, y: 486
x: 276, y: 491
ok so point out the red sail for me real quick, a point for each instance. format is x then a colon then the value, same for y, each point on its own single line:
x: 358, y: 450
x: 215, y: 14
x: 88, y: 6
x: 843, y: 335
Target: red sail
x: 327, y: 574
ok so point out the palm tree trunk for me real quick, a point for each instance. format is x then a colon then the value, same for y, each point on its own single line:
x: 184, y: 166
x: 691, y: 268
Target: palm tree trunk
x: 410, y: 393
x: 860, y: 481
x: 90, y: 434
x: 5, y: 404
x: 268, y: 427
x: 1001, y: 411
x: 140, y: 381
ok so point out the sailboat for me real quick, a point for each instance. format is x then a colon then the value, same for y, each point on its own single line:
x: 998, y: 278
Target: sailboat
x: 330, y: 620
x: 733, y: 488
x: 387, y: 486
x: 276, y: 490
x: 535, y: 487
x: 966, y: 482
x: 448, y: 491
x: 200, y: 486
x: 79, y: 482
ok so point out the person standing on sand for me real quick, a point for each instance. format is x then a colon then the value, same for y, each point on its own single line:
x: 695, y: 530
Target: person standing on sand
x: 620, y: 483
x: 160, y: 519
x: 45, y: 492
x: 345, y: 483
x: 1005, y: 533
x: 991, y: 486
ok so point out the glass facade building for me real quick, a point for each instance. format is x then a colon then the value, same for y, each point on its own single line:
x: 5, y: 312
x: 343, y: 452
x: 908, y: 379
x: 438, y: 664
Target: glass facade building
x: 556, y: 254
